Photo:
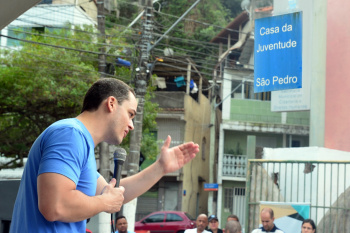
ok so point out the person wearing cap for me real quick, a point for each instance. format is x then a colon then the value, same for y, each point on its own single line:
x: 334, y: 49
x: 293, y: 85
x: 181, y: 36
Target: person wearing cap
x: 201, y: 223
x: 214, y: 224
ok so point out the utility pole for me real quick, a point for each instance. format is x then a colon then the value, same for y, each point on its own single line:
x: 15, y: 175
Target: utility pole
x: 140, y: 90
x: 213, y: 94
x: 104, y: 218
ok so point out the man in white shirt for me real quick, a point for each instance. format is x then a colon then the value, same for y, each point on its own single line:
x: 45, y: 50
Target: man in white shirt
x: 201, y: 223
x: 267, y: 218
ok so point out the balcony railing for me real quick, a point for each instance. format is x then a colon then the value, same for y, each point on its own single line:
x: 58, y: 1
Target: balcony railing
x: 234, y: 165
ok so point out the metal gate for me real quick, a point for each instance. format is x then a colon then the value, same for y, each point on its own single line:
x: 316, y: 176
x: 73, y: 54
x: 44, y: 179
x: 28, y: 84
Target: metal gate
x: 322, y: 184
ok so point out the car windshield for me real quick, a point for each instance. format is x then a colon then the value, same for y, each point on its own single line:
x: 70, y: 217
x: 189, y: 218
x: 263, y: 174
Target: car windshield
x: 190, y: 217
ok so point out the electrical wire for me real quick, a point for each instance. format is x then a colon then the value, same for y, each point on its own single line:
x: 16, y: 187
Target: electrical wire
x: 59, y: 71
x: 69, y: 39
x: 172, y: 38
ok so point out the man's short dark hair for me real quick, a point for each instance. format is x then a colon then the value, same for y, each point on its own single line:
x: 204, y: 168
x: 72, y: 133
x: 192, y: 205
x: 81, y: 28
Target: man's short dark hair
x: 233, y: 216
x: 233, y: 227
x: 104, y: 88
x: 269, y: 210
x: 120, y: 217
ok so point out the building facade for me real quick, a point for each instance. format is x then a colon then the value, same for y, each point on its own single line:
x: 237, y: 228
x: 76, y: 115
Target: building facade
x: 185, y: 116
x: 248, y: 125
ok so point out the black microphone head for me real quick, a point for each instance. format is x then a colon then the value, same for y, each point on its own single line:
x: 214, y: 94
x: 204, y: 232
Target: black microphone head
x: 120, y: 154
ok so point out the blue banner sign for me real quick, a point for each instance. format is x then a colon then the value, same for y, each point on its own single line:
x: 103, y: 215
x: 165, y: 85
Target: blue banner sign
x: 278, y: 53
x: 211, y: 186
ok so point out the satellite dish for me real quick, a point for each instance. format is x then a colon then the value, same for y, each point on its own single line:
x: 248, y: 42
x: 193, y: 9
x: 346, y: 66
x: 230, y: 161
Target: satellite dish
x: 168, y: 52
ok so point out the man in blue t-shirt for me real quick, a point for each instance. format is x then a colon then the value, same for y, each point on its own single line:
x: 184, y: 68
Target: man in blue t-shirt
x: 122, y: 225
x: 60, y: 187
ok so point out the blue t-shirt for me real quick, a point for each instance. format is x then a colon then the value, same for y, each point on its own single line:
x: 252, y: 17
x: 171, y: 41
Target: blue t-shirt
x: 67, y: 148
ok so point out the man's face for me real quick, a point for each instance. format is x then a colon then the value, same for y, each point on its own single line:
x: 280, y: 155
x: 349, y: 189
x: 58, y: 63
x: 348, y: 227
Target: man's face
x: 267, y: 221
x: 122, y: 225
x: 201, y: 222
x: 121, y: 120
x: 214, y: 224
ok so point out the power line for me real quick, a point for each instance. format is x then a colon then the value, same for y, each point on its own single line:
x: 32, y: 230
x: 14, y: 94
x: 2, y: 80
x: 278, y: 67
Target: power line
x: 69, y: 39
x: 172, y: 38
x: 175, y: 38
x: 59, y: 71
x: 57, y: 46
x: 199, y: 22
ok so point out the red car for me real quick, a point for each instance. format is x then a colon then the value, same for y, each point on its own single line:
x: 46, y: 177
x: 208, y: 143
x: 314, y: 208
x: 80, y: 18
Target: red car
x: 166, y: 222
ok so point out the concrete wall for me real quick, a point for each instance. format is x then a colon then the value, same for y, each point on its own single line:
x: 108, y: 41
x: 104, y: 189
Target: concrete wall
x: 197, y: 117
x: 337, y: 127
x: 169, y: 99
x: 260, y: 111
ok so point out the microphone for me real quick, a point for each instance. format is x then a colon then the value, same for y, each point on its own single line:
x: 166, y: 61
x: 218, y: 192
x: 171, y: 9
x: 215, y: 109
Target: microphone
x: 119, y: 159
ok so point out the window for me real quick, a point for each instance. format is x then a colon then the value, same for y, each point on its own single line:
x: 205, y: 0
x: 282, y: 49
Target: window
x: 173, y: 218
x: 204, y: 143
x: 5, y: 226
x: 228, y: 195
x: 155, y: 218
x: 46, y: 2
x: 244, y: 89
x: 295, y: 143
x: 16, y: 32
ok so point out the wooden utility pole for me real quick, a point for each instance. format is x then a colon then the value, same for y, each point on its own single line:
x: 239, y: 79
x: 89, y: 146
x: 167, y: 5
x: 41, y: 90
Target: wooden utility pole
x: 104, y: 218
x: 142, y: 72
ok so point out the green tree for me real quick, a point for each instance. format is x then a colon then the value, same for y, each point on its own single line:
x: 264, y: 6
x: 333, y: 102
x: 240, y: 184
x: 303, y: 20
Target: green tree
x: 194, y: 32
x: 202, y: 24
x: 46, y: 80
x: 234, y: 7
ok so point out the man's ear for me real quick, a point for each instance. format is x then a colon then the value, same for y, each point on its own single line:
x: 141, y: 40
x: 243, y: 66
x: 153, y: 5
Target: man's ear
x: 112, y: 103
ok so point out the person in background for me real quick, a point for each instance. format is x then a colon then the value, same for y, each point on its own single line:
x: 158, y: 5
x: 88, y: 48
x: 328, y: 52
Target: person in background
x: 232, y: 217
x: 201, y: 223
x: 214, y: 224
x: 308, y: 226
x: 122, y: 225
x: 267, y: 219
x: 233, y: 227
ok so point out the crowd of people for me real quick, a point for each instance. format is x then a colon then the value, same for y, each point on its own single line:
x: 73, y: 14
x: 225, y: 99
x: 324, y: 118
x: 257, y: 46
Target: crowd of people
x: 267, y: 220
x: 233, y: 225
x: 205, y: 224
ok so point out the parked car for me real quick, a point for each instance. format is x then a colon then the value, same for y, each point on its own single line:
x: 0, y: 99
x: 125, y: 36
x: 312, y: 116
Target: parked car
x: 166, y: 222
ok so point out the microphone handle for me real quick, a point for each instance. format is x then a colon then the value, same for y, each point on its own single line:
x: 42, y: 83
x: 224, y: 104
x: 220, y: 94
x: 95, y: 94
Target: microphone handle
x: 118, y: 172
x: 118, y: 167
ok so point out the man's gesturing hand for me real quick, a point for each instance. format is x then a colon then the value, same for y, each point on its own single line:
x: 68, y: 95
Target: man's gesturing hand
x: 172, y: 159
